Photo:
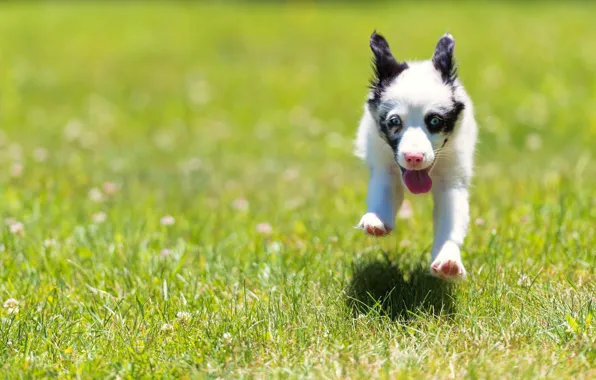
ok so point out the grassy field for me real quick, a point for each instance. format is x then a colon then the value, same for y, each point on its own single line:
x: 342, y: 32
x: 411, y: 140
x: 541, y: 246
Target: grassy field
x: 178, y: 192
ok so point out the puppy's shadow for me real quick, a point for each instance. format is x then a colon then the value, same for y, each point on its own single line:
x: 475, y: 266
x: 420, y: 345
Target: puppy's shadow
x: 380, y: 285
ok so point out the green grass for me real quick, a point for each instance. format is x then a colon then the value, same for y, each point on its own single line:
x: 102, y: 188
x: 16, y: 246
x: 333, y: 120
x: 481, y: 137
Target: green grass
x: 188, y: 109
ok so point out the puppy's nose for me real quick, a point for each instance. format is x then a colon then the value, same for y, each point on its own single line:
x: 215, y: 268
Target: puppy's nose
x: 414, y: 159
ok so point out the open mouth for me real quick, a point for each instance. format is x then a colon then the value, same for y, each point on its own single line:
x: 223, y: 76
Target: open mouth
x: 417, y: 181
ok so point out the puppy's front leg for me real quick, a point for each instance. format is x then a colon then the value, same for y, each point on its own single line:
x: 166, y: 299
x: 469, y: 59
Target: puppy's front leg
x: 451, y: 217
x: 385, y: 195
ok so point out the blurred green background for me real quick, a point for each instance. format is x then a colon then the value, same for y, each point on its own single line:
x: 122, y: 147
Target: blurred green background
x: 168, y: 157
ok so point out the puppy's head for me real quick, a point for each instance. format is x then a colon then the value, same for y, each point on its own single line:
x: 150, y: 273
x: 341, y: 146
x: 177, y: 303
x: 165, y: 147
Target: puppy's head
x: 415, y: 107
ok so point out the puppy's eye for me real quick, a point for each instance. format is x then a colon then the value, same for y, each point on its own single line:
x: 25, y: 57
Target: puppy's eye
x: 394, y: 122
x: 435, y: 122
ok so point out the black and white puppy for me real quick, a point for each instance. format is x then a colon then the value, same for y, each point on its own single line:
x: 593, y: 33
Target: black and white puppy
x: 419, y: 130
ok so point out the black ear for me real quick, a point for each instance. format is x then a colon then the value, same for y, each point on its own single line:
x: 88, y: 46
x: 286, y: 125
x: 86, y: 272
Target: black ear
x: 386, y: 68
x: 443, y: 59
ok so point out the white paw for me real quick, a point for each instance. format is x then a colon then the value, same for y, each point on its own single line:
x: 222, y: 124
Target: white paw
x: 448, y: 265
x: 372, y: 225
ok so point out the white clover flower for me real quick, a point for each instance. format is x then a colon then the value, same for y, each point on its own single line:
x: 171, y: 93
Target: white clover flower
x: 405, y: 211
x: 110, y: 188
x: 40, y: 154
x: 96, y: 195
x: 99, y: 217
x: 264, y: 228
x: 167, y: 220
x: 183, y: 317
x: 17, y: 228
x: 240, y: 204
x: 11, y: 305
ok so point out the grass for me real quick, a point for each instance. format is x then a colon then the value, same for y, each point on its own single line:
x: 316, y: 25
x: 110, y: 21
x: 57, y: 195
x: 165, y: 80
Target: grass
x: 178, y: 192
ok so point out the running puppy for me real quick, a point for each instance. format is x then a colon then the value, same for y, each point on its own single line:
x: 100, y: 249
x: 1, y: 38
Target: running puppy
x: 419, y: 130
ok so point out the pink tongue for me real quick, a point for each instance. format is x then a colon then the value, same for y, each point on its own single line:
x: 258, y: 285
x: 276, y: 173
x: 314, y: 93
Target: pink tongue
x: 418, y: 181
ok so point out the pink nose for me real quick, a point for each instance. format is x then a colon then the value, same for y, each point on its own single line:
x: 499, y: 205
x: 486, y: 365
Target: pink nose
x: 414, y: 159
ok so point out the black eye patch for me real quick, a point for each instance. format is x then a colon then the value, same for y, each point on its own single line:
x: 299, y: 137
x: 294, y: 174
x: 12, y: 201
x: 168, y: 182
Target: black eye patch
x: 385, y: 128
x: 434, y: 122
x: 447, y: 120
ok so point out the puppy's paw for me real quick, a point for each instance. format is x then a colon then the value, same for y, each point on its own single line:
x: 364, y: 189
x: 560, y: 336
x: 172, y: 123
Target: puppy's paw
x: 448, y: 270
x: 372, y: 225
x: 448, y: 265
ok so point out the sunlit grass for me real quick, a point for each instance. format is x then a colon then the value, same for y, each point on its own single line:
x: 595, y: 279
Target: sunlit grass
x: 178, y: 193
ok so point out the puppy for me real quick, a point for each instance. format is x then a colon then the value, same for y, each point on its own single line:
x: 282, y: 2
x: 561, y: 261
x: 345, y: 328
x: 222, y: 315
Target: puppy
x: 418, y: 133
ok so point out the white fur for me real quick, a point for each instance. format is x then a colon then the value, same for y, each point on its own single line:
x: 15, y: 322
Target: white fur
x: 415, y: 92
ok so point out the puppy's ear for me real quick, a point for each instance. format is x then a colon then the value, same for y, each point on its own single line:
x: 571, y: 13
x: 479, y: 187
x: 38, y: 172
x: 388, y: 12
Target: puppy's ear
x: 386, y: 68
x: 443, y: 59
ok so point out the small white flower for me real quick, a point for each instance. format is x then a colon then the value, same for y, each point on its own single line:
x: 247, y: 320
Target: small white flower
x: 264, y: 228
x: 96, y: 195
x: 524, y: 281
x: 167, y: 220
x: 11, y: 305
x: 118, y: 164
x: 49, y: 243
x: 479, y: 222
x: 533, y: 142
x: 17, y: 228
x: 406, y: 211
x: 291, y: 174
x: 275, y: 247
x: 99, y: 217
x: 167, y: 328
x: 199, y: 92
x: 110, y: 188
x: 72, y: 130
x: 183, y: 317
x: 190, y: 165
x: 164, y: 139
x: 40, y: 154
x: 16, y: 170
x: 293, y: 203
x: 15, y: 151
x: 240, y: 204
x: 165, y: 252
x: 227, y: 337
